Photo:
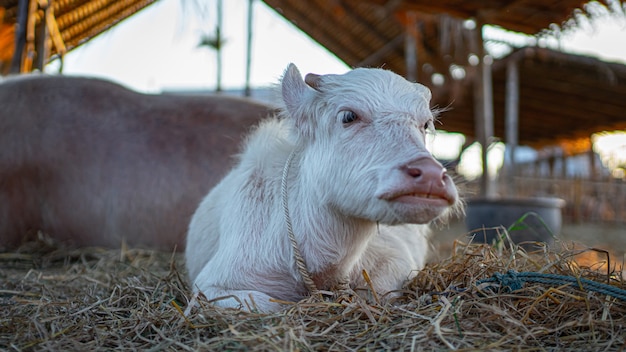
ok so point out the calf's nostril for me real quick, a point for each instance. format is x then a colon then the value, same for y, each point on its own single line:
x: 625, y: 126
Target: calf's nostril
x: 414, y: 172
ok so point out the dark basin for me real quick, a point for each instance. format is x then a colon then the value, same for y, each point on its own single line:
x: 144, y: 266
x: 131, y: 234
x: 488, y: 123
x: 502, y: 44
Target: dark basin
x: 535, y: 219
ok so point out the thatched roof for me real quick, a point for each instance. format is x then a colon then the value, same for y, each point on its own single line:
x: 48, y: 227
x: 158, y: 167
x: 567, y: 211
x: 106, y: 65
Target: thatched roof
x: 372, y: 32
x: 563, y: 97
x: 77, y: 21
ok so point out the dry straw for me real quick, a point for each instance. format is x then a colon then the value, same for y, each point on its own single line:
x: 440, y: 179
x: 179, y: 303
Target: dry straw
x: 54, y: 298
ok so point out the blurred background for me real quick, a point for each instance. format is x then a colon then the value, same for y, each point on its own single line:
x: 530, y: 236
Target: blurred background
x: 541, y: 84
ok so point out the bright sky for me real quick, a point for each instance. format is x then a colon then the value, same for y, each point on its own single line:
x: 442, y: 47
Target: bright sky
x: 157, y: 50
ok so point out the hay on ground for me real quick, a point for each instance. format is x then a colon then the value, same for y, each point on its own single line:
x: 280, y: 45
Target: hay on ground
x: 55, y: 298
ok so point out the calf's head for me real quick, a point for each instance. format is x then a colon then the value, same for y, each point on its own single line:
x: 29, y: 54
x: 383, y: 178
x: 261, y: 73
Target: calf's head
x: 362, y: 142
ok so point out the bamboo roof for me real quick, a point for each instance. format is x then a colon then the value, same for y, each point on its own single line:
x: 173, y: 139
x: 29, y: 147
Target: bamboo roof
x: 70, y: 23
x: 372, y: 32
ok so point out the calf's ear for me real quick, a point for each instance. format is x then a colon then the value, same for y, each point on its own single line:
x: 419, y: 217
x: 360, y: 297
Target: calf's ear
x: 424, y: 91
x: 313, y: 80
x: 298, y: 99
x: 294, y: 90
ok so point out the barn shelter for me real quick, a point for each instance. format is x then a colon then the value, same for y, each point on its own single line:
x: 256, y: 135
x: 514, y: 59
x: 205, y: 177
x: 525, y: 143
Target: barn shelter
x: 555, y: 99
x: 430, y: 43
x: 562, y: 98
x: 375, y: 32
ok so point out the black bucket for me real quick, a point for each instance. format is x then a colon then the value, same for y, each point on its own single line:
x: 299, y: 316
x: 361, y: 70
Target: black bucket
x: 536, y: 219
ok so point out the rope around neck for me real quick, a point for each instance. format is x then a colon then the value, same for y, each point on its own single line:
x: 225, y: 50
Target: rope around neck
x: 297, y: 255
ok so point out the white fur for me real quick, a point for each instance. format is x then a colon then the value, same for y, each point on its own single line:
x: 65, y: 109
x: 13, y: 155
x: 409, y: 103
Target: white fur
x: 339, y: 188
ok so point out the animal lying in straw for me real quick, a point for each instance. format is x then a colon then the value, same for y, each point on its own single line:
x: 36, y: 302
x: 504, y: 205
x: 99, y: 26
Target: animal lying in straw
x: 344, y: 169
x: 92, y: 163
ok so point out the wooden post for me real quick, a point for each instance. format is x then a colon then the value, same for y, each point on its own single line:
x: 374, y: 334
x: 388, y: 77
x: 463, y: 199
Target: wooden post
x: 42, y: 44
x: 247, y: 91
x: 20, y: 36
x: 552, y: 164
x: 511, y: 121
x: 218, y: 34
x: 478, y: 105
x: 563, y: 158
x: 488, y: 183
x: 410, y: 46
x: 483, y: 112
x: 593, y: 164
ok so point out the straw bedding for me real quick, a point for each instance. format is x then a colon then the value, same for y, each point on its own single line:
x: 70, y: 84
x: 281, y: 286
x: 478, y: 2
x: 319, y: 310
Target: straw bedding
x: 57, y: 298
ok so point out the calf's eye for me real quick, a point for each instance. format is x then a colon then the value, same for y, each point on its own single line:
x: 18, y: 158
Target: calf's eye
x: 349, y: 117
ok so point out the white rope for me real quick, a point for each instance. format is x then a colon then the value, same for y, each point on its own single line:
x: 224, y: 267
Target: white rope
x: 300, y: 263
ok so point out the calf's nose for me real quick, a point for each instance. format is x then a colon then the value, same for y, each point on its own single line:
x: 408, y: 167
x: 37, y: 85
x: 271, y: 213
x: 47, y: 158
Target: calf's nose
x: 426, y: 170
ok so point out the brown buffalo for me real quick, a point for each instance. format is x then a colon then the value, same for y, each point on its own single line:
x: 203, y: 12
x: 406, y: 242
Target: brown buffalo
x: 89, y: 162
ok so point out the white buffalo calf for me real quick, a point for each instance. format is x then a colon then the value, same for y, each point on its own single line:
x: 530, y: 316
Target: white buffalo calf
x: 360, y: 189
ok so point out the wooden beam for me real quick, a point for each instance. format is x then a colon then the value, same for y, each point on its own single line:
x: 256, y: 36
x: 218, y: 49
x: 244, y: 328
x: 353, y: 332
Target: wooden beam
x: 305, y: 17
x: 379, y: 54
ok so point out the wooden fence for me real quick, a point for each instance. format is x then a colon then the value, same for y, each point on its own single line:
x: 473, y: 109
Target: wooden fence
x: 586, y: 200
